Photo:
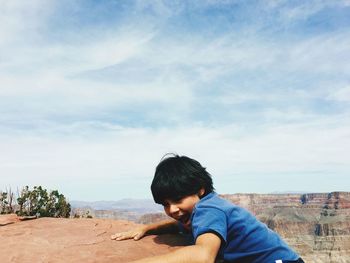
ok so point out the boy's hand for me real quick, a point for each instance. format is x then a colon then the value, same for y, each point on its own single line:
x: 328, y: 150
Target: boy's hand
x: 135, y: 234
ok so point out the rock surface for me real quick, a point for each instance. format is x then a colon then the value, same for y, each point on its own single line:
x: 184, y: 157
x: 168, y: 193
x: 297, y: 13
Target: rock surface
x: 76, y: 240
x: 8, y: 219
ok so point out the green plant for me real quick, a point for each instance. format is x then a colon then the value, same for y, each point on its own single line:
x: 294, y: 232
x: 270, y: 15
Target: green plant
x: 3, y: 202
x: 6, y: 202
x: 40, y: 202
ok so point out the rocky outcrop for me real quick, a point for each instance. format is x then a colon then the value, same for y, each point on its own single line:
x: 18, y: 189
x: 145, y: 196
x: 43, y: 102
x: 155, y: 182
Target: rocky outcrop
x: 58, y: 240
x: 317, y: 225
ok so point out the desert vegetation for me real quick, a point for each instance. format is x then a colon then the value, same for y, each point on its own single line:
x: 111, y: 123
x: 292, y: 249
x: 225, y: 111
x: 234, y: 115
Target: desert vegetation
x: 34, y: 202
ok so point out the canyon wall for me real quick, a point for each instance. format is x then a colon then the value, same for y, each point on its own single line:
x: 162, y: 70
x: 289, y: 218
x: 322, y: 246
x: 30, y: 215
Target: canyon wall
x: 317, y: 225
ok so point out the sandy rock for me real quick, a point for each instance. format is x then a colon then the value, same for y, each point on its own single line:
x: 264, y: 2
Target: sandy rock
x: 8, y: 219
x: 76, y: 240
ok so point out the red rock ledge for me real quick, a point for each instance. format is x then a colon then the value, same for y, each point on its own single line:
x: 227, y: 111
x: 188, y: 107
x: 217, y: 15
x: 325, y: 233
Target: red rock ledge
x: 76, y: 240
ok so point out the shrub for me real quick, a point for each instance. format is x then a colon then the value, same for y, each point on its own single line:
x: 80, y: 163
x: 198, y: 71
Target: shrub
x: 6, y: 202
x: 35, y: 202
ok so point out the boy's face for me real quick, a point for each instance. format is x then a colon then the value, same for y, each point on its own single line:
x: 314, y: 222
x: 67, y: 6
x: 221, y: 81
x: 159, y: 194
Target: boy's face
x: 181, y: 210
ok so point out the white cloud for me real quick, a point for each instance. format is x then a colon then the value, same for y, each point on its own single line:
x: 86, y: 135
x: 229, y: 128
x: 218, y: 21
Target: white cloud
x: 20, y: 21
x: 73, y: 58
x: 327, y: 53
x: 342, y: 94
x: 303, y: 11
x: 50, y: 95
x: 232, y: 53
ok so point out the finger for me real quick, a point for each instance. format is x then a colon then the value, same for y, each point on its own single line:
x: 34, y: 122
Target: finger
x: 138, y: 236
x: 116, y: 235
x: 122, y: 238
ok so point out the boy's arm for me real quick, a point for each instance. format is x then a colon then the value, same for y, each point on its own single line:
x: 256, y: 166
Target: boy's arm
x: 167, y: 226
x: 205, y: 250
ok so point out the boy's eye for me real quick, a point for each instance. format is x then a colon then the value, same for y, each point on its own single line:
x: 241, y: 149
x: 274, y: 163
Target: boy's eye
x: 172, y: 201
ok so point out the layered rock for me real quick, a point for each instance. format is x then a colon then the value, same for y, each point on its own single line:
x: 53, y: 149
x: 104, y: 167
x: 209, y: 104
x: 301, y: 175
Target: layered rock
x: 317, y: 225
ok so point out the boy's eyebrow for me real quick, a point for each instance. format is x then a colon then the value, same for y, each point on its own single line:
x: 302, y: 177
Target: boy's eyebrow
x: 168, y: 200
x: 175, y: 200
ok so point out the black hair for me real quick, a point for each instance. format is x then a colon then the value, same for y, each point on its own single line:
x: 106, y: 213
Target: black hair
x: 179, y: 176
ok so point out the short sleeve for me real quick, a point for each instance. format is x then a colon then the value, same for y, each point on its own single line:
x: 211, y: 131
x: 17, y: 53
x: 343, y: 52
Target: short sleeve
x: 209, y: 220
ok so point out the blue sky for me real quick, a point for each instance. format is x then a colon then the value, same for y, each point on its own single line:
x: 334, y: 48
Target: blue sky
x: 94, y: 93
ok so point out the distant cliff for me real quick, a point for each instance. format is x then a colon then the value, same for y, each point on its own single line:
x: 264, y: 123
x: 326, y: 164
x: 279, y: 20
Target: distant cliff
x: 317, y: 225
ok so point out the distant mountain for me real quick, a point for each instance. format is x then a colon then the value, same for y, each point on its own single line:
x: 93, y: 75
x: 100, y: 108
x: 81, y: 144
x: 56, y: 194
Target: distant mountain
x: 131, y: 205
x: 289, y: 192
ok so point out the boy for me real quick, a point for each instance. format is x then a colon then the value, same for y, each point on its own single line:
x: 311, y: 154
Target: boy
x: 219, y: 228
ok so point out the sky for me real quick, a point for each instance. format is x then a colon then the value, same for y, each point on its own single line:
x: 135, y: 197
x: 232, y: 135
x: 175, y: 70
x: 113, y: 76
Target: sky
x: 94, y: 93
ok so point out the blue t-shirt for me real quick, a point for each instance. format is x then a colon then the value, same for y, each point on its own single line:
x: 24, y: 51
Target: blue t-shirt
x: 243, y: 237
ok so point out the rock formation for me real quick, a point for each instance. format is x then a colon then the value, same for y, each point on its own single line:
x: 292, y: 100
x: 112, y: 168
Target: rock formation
x: 58, y: 240
x: 316, y: 225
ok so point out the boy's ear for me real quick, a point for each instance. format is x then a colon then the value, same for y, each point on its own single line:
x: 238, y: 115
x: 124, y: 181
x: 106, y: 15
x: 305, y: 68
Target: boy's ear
x: 201, y: 192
